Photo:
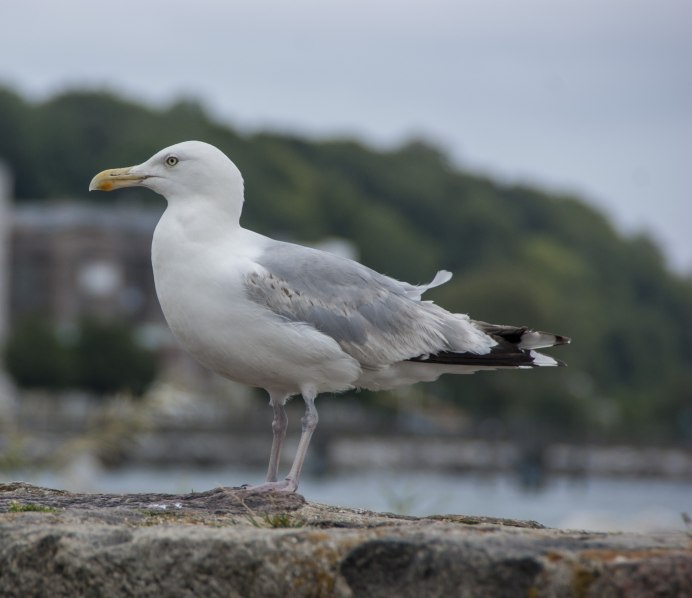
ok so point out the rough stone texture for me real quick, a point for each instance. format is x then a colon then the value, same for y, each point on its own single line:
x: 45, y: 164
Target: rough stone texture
x: 233, y: 542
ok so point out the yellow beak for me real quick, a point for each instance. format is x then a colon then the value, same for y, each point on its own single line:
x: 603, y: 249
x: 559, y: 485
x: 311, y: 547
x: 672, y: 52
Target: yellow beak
x: 115, y: 178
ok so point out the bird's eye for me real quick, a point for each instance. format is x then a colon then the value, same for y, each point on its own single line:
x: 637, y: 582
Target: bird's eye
x: 171, y: 161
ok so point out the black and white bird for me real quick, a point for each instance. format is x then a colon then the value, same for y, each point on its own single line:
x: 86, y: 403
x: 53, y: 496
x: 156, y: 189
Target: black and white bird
x: 291, y: 319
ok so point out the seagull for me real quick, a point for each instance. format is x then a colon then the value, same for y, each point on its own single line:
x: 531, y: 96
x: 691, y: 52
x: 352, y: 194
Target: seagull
x: 292, y: 319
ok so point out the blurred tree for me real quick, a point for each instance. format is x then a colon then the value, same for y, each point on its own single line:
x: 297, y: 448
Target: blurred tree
x: 16, y: 140
x: 101, y: 357
x: 36, y: 358
x: 519, y: 255
x: 108, y: 359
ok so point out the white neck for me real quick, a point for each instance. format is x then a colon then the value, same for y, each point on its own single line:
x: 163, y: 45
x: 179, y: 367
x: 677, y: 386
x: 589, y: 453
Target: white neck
x: 204, y: 217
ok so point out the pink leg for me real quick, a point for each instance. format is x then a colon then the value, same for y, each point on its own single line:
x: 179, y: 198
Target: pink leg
x: 279, y: 425
x: 309, y: 423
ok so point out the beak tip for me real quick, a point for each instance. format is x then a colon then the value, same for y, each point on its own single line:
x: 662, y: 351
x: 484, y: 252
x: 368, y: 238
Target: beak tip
x: 100, y: 182
x: 100, y: 185
x: 115, y: 178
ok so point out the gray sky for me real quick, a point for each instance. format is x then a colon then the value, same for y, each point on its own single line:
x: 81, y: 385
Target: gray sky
x: 593, y: 96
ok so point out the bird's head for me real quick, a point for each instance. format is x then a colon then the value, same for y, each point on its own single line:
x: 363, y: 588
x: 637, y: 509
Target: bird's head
x: 180, y: 172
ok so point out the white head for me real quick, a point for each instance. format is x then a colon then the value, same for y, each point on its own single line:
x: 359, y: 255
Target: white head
x: 184, y: 172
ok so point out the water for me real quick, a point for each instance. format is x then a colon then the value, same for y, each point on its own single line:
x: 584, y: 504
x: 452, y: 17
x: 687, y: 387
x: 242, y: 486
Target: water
x: 597, y: 504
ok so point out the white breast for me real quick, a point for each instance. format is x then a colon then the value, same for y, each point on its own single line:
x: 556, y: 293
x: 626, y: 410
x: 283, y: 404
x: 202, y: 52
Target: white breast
x: 200, y: 285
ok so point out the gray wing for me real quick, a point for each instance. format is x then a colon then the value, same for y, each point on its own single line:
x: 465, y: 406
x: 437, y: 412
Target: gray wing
x: 374, y: 318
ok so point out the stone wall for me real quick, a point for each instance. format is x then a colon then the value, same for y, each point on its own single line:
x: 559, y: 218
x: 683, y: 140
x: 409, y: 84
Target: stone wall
x: 233, y: 542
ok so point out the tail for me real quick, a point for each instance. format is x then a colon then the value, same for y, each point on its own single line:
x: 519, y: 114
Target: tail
x: 515, y: 348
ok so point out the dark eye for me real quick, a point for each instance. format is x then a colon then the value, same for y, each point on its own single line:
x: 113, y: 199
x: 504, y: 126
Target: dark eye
x: 171, y: 161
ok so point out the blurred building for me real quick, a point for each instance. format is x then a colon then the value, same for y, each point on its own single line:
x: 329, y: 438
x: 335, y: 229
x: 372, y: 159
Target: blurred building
x: 74, y: 259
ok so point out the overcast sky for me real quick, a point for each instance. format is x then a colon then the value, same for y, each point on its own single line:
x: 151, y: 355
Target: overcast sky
x: 593, y: 96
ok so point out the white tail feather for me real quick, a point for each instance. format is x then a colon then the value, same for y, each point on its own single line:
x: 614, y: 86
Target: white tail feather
x: 533, y: 339
x: 541, y: 360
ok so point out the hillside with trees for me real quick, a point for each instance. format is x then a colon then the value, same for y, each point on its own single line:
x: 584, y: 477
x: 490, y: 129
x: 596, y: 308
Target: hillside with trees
x: 519, y: 255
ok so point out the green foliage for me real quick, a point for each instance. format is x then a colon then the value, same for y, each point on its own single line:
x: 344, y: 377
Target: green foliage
x: 36, y: 358
x: 17, y: 507
x: 109, y: 359
x: 283, y: 520
x: 519, y: 255
x: 100, y: 357
x: 275, y: 520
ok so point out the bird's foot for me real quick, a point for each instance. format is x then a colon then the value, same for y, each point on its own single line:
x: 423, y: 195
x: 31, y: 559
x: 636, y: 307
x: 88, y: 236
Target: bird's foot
x: 286, y: 485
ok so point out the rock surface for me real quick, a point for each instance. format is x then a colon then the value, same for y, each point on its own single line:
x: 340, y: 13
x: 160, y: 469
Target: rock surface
x: 233, y: 542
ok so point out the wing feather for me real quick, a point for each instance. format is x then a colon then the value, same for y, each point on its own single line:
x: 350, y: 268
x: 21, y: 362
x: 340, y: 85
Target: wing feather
x: 374, y: 318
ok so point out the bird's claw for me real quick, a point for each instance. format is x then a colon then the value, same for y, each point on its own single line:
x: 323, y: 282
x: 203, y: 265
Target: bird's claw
x: 281, y: 486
